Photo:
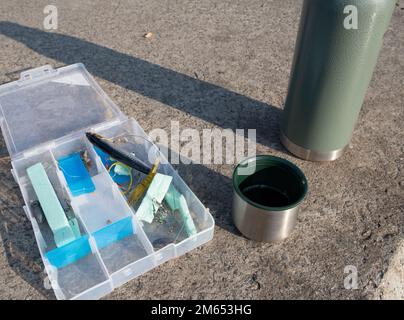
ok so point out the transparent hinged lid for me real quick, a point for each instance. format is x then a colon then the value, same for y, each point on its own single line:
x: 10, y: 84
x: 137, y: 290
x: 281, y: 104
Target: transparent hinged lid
x: 46, y: 104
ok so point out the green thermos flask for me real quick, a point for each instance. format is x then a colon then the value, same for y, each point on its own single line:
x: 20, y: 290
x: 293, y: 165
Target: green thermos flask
x: 336, y: 52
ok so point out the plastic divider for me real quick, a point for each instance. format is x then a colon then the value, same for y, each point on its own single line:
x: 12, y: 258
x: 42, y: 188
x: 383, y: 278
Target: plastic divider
x: 119, y: 242
x: 159, y: 236
x: 78, y: 276
x: 64, y: 185
x: 145, y: 241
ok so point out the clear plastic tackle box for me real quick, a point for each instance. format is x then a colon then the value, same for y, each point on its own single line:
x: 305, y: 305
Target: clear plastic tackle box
x: 44, y: 117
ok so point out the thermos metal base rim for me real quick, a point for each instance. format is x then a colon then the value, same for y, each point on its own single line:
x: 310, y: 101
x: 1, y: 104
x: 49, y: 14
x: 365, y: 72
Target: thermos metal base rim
x: 311, y: 155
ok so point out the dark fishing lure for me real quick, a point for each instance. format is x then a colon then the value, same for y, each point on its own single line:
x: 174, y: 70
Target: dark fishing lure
x: 117, y: 153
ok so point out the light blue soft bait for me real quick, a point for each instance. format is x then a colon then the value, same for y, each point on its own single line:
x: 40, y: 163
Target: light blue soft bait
x: 55, y: 216
x: 153, y: 198
x: 176, y: 202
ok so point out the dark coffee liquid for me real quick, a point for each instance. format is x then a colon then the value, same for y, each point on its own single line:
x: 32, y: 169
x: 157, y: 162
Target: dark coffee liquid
x: 266, y: 196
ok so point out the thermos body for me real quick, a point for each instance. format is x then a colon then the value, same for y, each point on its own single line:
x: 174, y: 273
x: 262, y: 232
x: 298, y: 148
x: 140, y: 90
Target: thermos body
x: 333, y: 64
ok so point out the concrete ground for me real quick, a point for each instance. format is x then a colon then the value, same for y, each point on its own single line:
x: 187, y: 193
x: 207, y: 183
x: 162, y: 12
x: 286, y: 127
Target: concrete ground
x: 224, y: 64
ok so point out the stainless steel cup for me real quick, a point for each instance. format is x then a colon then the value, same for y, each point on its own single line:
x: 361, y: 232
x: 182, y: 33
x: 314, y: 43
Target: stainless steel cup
x: 267, y: 194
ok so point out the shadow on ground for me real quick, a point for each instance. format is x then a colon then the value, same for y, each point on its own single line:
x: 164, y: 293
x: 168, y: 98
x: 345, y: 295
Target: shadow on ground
x: 199, y: 98
x: 212, y: 103
x: 204, y: 100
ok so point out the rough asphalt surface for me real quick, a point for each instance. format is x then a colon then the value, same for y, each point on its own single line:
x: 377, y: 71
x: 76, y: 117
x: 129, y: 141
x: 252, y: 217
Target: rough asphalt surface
x: 223, y: 64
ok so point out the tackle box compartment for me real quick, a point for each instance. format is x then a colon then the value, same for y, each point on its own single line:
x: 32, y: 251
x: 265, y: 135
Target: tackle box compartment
x: 44, y: 117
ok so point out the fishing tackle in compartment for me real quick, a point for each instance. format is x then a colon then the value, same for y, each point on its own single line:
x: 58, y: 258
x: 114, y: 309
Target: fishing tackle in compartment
x: 151, y: 192
x: 117, y: 153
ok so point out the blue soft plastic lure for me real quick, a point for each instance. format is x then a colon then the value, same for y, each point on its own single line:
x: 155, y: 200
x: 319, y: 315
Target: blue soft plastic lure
x: 77, y: 177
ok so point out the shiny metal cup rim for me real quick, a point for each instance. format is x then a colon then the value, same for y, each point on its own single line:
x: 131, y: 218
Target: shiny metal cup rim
x: 268, y: 209
x: 308, y: 154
